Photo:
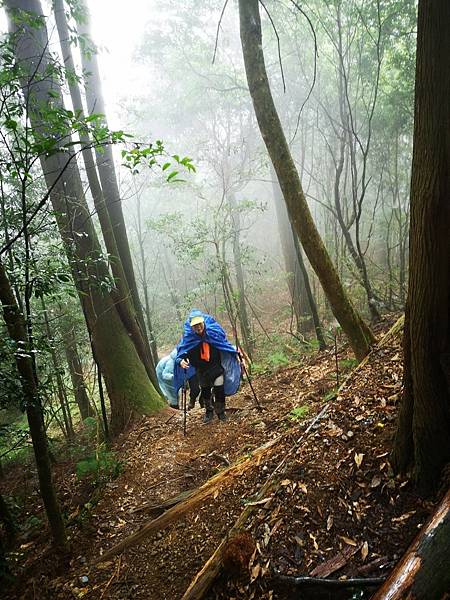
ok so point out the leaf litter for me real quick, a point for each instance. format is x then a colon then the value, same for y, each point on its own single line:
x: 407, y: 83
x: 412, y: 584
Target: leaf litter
x: 336, y: 510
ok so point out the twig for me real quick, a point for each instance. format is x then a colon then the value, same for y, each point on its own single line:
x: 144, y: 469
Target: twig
x: 333, y: 583
x: 217, y: 33
x: 115, y: 574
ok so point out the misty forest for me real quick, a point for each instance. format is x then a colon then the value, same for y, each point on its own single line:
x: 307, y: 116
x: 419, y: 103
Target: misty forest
x: 225, y: 299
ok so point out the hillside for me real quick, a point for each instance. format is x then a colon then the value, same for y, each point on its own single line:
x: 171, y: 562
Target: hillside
x: 311, y: 470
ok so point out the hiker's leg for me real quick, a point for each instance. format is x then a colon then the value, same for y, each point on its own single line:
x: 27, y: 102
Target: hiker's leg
x: 206, y: 397
x: 194, y: 391
x: 219, y: 397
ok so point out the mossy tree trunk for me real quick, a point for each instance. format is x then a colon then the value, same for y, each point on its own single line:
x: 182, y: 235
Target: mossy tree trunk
x: 129, y: 387
x: 109, y: 184
x: 423, y: 435
x: 15, y: 324
x: 360, y: 336
x: 127, y: 302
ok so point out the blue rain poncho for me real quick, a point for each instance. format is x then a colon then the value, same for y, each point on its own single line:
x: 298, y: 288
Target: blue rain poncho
x: 165, y: 372
x: 214, y: 335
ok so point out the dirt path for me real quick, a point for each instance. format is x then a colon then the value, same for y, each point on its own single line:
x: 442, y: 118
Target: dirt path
x: 337, y: 495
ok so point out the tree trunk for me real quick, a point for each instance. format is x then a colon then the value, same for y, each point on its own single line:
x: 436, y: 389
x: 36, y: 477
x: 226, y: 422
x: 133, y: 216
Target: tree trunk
x: 65, y: 408
x: 242, y: 312
x: 358, y: 333
x: 8, y: 522
x: 125, y: 302
x: 76, y: 375
x: 295, y: 280
x: 309, y: 293
x: 108, y: 179
x: 128, y: 385
x: 423, y: 435
x: 16, y: 327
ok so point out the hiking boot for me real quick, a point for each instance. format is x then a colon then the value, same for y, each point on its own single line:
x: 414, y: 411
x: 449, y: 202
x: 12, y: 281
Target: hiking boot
x: 222, y: 416
x: 208, y: 417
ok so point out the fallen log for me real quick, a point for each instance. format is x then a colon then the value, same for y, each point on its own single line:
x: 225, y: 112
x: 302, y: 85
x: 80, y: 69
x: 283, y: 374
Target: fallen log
x: 151, y: 507
x: 424, y: 571
x: 193, y: 500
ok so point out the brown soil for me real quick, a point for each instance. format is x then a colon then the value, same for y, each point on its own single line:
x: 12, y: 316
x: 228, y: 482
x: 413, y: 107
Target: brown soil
x: 335, y: 496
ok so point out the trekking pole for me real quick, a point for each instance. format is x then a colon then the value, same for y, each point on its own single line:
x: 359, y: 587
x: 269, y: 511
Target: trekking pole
x: 258, y: 405
x: 183, y: 400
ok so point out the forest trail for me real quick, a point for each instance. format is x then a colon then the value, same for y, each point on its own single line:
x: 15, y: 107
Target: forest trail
x: 335, y: 507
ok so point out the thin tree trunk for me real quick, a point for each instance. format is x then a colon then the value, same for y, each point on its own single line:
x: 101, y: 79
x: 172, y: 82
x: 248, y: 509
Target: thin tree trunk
x: 16, y: 327
x: 312, y: 302
x: 295, y: 280
x: 65, y: 409
x: 242, y: 306
x: 358, y: 333
x: 76, y: 375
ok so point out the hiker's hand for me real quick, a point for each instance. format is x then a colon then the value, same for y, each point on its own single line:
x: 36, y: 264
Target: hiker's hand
x: 184, y: 363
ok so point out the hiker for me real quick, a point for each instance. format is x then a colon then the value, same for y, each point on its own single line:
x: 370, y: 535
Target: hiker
x: 165, y: 373
x: 205, y: 347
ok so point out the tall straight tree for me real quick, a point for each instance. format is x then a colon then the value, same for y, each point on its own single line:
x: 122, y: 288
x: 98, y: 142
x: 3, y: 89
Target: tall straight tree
x: 359, y: 335
x: 129, y: 388
x: 107, y: 172
x: 423, y: 435
x: 125, y: 301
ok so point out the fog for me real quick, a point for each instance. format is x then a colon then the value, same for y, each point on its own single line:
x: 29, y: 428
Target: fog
x: 217, y: 236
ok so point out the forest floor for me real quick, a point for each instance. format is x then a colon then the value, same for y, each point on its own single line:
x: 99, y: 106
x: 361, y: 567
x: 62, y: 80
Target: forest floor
x: 331, y: 505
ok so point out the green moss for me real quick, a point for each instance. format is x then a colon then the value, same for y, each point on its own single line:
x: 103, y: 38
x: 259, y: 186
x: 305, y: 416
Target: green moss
x: 128, y: 382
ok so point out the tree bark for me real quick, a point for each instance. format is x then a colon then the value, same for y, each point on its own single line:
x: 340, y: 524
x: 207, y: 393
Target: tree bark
x: 108, y: 180
x: 423, y: 435
x: 126, y: 302
x: 128, y: 385
x: 16, y: 327
x: 423, y: 571
x: 358, y: 333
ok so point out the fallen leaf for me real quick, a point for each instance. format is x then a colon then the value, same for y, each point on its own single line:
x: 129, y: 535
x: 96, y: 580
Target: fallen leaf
x: 348, y: 541
x: 257, y: 502
x: 329, y: 522
x: 255, y: 572
x: 403, y: 517
x: 364, y: 550
x: 316, y: 545
x: 358, y: 459
x: 375, y: 482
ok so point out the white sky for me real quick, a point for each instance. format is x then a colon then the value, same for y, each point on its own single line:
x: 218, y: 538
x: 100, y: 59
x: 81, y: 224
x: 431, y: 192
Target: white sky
x: 117, y: 28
